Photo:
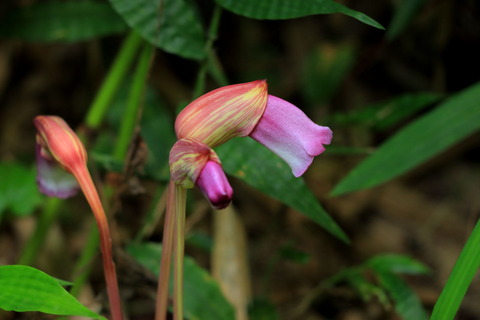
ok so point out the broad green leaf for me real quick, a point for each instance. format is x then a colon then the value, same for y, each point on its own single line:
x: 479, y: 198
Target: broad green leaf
x: 62, y: 21
x: 202, y: 296
x: 406, y: 301
x: 24, y: 288
x: 172, y: 25
x: 396, y: 263
x: 419, y: 141
x: 289, y: 9
x: 404, y: 13
x: 248, y: 160
x: 18, y: 189
x: 384, y: 115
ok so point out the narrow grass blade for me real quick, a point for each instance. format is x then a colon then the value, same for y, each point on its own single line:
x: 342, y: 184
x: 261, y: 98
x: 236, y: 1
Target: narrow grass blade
x: 419, y: 141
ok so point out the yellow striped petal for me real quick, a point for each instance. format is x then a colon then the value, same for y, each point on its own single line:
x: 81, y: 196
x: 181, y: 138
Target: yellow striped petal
x: 188, y: 157
x: 224, y: 113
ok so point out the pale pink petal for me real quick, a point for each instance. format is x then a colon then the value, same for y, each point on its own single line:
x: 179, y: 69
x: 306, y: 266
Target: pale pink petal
x: 214, y: 185
x: 52, y: 179
x: 290, y: 134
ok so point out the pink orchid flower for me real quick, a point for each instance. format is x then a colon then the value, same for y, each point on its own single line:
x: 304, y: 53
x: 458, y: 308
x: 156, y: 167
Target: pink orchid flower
x: 242, y: 110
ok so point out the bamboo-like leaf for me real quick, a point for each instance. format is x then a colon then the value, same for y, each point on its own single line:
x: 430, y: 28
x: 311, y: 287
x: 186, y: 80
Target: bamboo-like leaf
x: 289, y: 9
x: 62, y: 21
x: 25, y: 288
x: 386, y: 114
x: 253, y: 163
x: 171, y: 25
x: 396, y: 263
x: 419, y: 141
x: 461, y: 277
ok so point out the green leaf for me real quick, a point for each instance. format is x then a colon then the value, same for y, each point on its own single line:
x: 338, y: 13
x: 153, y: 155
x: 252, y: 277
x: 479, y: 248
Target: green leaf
x: 404, y: 13
x: 406, y: 301
x: 62, y: 21
x: 18, y: 189
x: 172, y: 25
x: 25, y: 288
x: 202, y: 296
x: 384, y: 115
x: 419, y: 141
x: 289, y: 9
x: 396, y: 263
x: 248, y: 160
x: 463, y: 273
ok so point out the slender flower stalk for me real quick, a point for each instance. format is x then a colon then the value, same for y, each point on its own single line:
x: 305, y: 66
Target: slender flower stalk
x: 58, y: 144
x: 88, y: 188
x: 167, y: 248
x: 179, y: 246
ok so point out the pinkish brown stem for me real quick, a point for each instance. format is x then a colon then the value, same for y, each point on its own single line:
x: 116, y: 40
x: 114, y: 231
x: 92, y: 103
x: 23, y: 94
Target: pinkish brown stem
x: 86, y: 184
x: 166, y: 259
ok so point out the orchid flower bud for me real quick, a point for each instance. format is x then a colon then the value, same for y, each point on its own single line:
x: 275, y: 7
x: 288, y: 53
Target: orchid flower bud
x: 194, y: 163
x: 59, y: 153
x: 224, y: 113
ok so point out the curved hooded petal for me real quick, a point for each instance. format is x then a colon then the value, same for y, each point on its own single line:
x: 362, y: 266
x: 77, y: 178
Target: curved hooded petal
x: 194, y: 163
x: 290, y: 134
x: 53, y: 180
x: 224, y: 113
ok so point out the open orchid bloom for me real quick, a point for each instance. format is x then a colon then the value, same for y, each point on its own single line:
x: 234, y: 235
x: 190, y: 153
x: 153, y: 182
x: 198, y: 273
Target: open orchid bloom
x: 59, y: 153
x: 238, y: 111
x: 290, y: 134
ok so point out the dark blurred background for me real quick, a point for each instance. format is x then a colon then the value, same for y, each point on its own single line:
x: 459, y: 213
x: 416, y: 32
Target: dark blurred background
x: 330, y: 66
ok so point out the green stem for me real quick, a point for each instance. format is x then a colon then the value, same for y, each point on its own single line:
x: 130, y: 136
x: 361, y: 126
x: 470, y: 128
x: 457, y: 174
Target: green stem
x: 211, y: 37
x: 459, y: 280
x: 179, y: 246
x: 113, y: 80
x: 166, y: 259
x: 48, y: 215
x: 133, y: 110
